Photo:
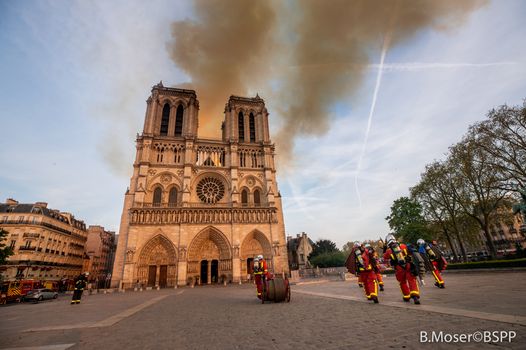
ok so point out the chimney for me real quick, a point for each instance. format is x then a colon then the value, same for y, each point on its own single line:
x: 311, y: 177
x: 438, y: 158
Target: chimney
x: 11, y: 201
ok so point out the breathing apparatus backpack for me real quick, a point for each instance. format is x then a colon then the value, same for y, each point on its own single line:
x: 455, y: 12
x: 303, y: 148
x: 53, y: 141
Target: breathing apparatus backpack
x: 397, y: 252
x: 359, y: 259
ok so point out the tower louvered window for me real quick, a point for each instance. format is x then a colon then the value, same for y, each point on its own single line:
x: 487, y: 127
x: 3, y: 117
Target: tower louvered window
x: 252, y: 125
x: 241, y: 126
x: 165, y: 120
x: 179, y: 121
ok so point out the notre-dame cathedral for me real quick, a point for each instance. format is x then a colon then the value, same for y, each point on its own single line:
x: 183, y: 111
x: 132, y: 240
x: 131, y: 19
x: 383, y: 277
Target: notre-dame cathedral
x: 200, y: 209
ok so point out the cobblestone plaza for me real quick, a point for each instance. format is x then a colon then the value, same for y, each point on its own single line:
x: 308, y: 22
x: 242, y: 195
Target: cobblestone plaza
x: 321, y: 315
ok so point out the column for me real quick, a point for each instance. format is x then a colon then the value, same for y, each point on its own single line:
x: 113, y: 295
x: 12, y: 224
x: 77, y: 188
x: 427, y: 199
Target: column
x: 209, y: 273
x: 157, y: 275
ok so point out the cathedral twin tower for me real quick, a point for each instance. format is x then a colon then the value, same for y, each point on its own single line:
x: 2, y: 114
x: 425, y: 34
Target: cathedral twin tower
x: 200, y: 209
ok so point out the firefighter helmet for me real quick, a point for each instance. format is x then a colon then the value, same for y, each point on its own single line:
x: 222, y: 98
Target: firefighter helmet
x: 260, y: 257
x: 420, y: 241
x: 390, y: 238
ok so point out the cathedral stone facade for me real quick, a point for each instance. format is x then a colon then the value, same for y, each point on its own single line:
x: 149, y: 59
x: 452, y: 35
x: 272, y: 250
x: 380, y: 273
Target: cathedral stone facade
x: 199, y: 210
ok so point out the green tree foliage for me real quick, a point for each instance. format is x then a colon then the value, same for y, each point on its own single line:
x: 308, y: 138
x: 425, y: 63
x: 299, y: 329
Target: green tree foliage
x: 5, y: 251
x: 407, y: 222
x: 473, y: 189
x: 329, y: 259
x: 323, y: 246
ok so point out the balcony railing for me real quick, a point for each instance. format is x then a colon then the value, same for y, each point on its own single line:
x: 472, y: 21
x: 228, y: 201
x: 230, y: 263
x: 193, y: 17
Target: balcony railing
x: 27, y: 248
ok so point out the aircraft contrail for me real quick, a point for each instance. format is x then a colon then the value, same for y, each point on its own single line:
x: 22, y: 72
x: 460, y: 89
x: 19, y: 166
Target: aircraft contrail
x: 371, y: 112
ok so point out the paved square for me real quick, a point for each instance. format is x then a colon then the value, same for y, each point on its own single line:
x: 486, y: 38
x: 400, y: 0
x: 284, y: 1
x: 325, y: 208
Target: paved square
x: 217, y: 317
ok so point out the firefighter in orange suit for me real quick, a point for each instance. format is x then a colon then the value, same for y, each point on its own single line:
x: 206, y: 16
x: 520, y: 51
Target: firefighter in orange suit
x: 360, y: 281
x: 438, y: 263
x: 405, y: 271
x: 361, y: 261
x: 379, y: 278
x: 260, y: 273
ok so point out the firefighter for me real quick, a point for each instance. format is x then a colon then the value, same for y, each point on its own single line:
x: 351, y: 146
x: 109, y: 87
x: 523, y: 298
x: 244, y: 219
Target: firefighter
x: 437, y: 261
x: 360, y: 281
x: 379, y: 278
x: 362, y: 262
x: 398, y: 256
x: 260, y: 273
x: 80, y: 284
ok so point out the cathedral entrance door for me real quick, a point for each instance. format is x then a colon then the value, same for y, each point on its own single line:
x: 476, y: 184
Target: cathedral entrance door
x: 152, y: 274
x: 204, y: 272
x: 250, y: 266
x: 163, y: 276
x: 215, y: 271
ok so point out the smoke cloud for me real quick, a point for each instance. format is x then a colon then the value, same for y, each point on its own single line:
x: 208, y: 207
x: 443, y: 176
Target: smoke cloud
x: 224, y: 50
x: 323, y: 47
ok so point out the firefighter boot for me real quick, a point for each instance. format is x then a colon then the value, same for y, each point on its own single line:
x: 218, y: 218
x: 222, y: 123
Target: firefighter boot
x: 416, y: 299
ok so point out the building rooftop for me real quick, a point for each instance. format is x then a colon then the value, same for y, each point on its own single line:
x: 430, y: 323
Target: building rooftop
x: 12, y: 206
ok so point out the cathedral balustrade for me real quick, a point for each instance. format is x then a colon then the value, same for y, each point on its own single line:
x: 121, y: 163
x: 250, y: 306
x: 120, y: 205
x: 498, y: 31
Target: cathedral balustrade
x: 210, y: 155
x: 251, y: 158
x: 153, y: 216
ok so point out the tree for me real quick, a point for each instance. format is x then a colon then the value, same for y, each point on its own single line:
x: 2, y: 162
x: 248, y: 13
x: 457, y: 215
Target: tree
x: 5, y: 251
x: 503, y: 136
x: 323, y: 246
x: 329, y: 259
x: 477, y: 186
x: 436, y: 195
x: 407, y: 221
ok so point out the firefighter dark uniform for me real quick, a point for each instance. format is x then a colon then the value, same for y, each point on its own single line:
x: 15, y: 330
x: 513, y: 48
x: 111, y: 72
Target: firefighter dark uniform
x: 399, y: 258
x: 80, y: 284
x: 260, y: 273
x: 436, y: 259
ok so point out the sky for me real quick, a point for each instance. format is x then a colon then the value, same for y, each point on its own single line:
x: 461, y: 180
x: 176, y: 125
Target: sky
x: 74, y: 77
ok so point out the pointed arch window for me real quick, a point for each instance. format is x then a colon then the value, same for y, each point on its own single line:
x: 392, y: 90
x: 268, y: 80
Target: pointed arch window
x: 179, y: 121
x: 252, y: 125
x: 257, y: 198
x: 244, y: 198
x: 241, y: 126
x: 172, y: 197
x: 165, y: 120
x: 157, y: 196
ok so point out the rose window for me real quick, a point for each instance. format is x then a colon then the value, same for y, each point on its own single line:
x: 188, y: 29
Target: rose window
x: 210, y: 190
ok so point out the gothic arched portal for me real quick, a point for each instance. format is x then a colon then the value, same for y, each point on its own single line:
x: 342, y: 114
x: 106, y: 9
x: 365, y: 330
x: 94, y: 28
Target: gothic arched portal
x: 157, y: 264
x: 210, y: 256
x: 255, y: 243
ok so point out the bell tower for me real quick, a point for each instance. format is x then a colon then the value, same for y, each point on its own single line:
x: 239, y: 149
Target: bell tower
x: 246, y: 120
x: 171, y: 112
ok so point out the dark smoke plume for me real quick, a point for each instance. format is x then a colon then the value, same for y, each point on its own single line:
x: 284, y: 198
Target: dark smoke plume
x: 224, y: 50
x: 326, y: 47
